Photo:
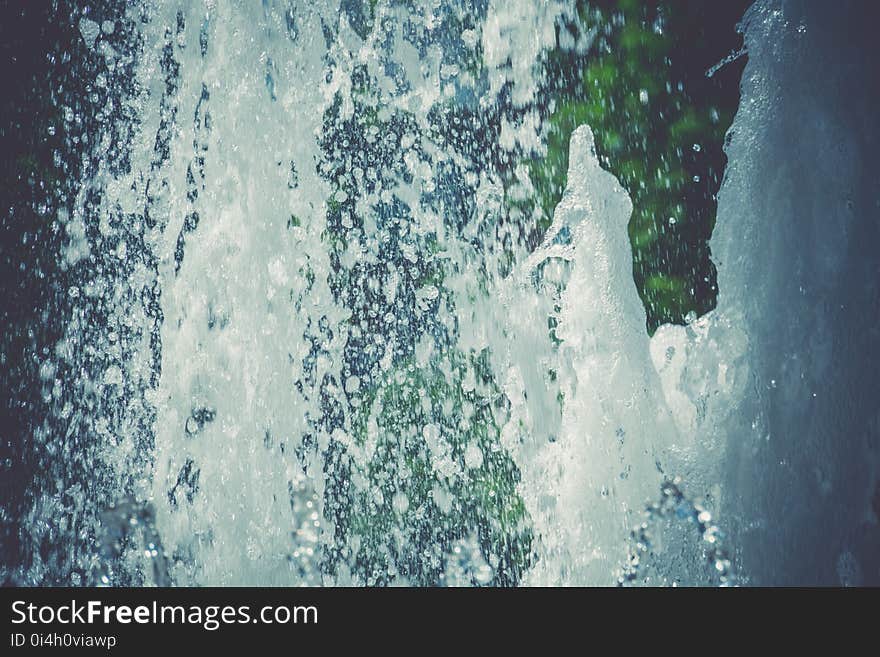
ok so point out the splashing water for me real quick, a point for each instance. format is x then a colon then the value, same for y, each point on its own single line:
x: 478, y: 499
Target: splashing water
x: 675, y: 504
x: 307, y: 346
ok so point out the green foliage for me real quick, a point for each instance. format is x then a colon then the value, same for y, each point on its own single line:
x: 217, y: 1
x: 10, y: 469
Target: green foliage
x: 659, y: 124
x: 436, y: 474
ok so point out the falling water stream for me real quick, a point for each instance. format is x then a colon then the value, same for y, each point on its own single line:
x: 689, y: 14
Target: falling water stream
x: 305, y: 347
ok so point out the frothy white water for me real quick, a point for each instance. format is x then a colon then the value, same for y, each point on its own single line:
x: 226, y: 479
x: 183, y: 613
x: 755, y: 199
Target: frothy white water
x: 776, y: 389
x: 238, y: 306
x: 588, y: 425
x: 766, y: 405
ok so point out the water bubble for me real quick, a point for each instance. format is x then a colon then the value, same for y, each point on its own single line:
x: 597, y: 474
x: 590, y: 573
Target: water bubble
x: 675, y: 504
x: 400, y: 502
x: 473, y: 456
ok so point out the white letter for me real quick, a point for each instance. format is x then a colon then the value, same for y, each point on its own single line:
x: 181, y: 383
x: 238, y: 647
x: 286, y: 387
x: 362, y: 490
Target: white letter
x: 19, y: 611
